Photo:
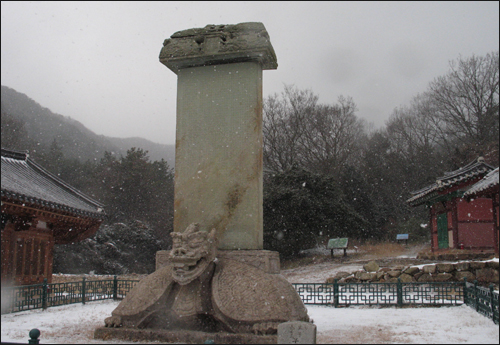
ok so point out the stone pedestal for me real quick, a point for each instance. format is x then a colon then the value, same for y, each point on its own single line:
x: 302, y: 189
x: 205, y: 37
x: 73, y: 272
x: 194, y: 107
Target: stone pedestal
x: 218, y: 163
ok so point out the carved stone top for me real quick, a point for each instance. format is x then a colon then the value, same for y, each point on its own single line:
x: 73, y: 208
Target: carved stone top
x: 219, y: 44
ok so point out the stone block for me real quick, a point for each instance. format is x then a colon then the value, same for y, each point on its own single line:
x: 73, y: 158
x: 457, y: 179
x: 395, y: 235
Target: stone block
x: 477, y: 265
x: 350, y: 279
x: 462, y: 266
x: 445, y: 268
x: 425, y: 278
x: 430, y: 269
x: 460, y: 275
x: 367, y: 276
x: 411, y: 270
x: 340, y: 275
x: 380, y: 274
x: 217, y: 45
x: 392, y: 280
x: 385, y: 269
x: 442, y: 277
x: 492, y: 264
x: 398, y: 268
x: 265, y: 260
x: 487, y: 275
x: 394, y: 274
x: 416, y: 276
x: 372, y: 266
x: 406, y: 278
x: 296, y: 332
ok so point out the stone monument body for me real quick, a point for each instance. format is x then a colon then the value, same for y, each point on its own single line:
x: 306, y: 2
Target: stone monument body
x: 216, y: 283
x: 218, y: 172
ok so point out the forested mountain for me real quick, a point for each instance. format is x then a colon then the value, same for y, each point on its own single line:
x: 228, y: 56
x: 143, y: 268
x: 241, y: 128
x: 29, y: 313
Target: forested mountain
x: 26, y: 125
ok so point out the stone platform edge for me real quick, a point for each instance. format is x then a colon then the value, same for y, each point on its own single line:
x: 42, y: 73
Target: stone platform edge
x: 181, y: 336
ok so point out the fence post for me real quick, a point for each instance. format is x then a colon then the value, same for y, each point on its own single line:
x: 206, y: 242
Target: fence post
x: 465, y: 291
x: 115, y: 288
x: 492, y: 306
x: 44, y: 293
x: 399, y: 291
x: 476, y: 295
x: 335, y: 293
x: 83, y: 290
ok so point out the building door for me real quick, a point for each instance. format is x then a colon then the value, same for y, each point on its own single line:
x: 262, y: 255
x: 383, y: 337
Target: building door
x: 442, y: 228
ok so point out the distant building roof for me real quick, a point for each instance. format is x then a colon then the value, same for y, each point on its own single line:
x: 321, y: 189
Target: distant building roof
x: 489, y: 182
x: 24, y: 181
x: 473, y: 170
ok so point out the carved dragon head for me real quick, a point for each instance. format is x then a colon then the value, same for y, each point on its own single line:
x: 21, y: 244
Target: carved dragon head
x: 192, y: 252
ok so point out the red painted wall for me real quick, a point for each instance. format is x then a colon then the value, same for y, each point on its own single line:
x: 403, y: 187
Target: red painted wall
x: 476, y: 235
x: 478, y: 209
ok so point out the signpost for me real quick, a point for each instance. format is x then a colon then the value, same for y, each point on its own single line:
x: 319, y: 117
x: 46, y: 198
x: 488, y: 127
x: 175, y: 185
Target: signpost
x: 338, y: 243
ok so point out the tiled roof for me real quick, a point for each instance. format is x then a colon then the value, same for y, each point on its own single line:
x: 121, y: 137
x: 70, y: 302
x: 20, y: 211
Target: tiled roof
x: 489, y: 181
x: 477, y: 168
x: 27, y: 182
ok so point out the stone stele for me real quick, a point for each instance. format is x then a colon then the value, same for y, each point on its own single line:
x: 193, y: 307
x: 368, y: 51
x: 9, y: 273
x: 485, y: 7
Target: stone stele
x: 218, y: 154
x: 216, y: 283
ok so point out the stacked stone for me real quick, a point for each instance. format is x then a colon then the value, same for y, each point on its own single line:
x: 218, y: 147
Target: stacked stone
x: 482, y: 271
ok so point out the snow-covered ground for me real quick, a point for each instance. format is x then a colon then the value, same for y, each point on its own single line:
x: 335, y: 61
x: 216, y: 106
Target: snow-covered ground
x: 355, y: 325
x: 75, y: 324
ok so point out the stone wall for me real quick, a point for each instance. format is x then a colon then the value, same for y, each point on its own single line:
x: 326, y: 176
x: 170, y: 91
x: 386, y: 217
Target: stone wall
x: 485, y: 272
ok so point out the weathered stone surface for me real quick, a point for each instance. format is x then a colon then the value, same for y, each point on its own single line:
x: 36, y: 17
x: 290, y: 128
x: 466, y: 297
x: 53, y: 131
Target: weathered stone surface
x: 265, y: 260
x: 492, y: 264
x: 416, y: 276
x: 296, y: 333
x: 218, y: 164
x: 204, y: 291
x: 181, y: 336
x: 392, y: 280
x: 217, y: 45
x: 442, y: 277
x: 398, y: 268
x: 424, y: 278
x: 431, y: 269
x: 406, y: 278
x: 340, y: 275
x: 394, y: 274
x: 350, y: 279
x: 462, y: 266
x: 460, y: 275
x: 477, y: 265
x: 380, y: 274
x: 386, y: 269
x: 488, y: 275
x: 367, y: 276
x: 445, y: 268
x: 411, y: 270
x: 372, y: 266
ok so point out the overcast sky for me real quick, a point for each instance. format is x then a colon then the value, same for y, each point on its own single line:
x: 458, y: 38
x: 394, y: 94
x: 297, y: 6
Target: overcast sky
x: 97, y: 62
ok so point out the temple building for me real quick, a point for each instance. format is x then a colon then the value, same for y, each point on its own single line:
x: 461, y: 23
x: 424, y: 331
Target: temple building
x: 461, y: 218
x: 39, y: 210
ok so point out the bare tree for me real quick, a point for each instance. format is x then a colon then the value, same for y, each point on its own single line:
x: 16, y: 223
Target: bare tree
x: 466, y: 102
x: 284, y: 121
x: 300, y: 132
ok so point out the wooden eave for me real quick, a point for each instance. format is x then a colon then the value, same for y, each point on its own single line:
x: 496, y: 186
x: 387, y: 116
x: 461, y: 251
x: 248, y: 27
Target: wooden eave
x: 66, y: 226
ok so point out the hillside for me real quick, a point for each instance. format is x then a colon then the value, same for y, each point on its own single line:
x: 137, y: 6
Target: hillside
x: 26, y: 125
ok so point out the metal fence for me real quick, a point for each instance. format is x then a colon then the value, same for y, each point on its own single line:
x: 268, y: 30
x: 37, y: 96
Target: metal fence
x: 19, y: 298
x: 484, y: 301
x: 397, y: 294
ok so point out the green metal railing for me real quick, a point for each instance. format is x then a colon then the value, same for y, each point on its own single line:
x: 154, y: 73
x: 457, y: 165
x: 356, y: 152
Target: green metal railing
x: 397, y: 294
x: 483, y: 300
x: 27, y: 297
